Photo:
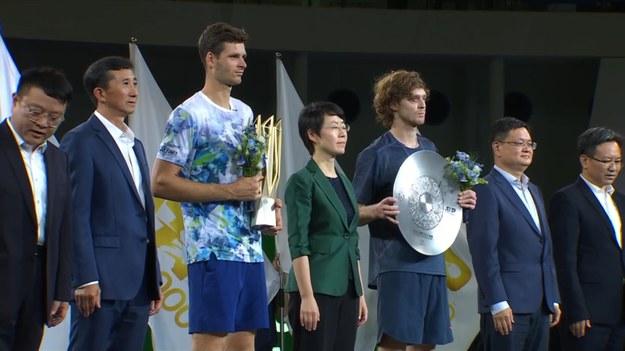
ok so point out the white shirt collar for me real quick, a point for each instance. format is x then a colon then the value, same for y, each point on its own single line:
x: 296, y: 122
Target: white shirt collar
x: 609, y: 189
x: 22, y: 143
x: 512, y: 179
x: 126, y: 135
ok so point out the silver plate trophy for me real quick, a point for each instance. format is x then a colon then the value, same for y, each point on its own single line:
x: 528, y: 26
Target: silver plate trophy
x: 429, y: 214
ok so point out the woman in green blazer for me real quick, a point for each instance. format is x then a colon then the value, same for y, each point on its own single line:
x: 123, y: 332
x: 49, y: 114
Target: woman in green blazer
x: 326, y: 297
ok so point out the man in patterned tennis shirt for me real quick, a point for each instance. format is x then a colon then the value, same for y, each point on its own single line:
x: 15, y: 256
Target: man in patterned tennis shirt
x: 227, y: 295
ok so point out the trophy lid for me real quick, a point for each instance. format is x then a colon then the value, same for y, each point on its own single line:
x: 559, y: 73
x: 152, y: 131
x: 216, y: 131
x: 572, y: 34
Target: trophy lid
x: 429, y: 213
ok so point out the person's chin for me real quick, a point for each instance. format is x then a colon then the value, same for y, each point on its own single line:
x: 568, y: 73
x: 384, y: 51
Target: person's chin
x: 36, y: 138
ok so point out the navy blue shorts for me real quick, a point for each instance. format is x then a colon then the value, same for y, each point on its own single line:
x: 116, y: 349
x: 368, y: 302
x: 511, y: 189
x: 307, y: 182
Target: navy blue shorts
x: 413, y: 308
x: 227, y: 297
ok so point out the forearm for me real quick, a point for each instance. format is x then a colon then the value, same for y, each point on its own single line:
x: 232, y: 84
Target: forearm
x: 367, y: 214
x: 168, y: 184
x: 184, y: 190
x: 362, y: 284
x: 301, y: 268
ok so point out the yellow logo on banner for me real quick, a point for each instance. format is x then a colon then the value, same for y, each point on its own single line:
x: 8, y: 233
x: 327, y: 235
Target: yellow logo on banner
x: 458, y: 272
x: 170, y: 243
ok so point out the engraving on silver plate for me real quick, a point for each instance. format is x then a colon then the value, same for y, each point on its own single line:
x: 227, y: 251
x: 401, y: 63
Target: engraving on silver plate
x: 426, y: 203
x: 429, y: 214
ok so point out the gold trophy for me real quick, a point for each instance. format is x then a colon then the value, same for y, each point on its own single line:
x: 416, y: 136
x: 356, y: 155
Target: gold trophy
x: 265, y: 209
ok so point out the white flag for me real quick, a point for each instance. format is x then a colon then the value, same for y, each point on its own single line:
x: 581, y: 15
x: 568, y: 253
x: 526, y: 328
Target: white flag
x: 148, y: 121
x: 170, y: 327
x: 294, y: 153
x: 9, y: 77
x: 462, y: 294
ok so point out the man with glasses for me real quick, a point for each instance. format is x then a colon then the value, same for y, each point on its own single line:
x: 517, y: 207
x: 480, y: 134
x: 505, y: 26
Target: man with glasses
x: 35, y: 212
x: 586, y: 223
x: 511, y: 249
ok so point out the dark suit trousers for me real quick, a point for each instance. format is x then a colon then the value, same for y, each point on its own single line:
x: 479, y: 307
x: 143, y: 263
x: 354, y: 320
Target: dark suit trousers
x: 530, y: 332
x: 25, y: 332
x: 598, y: 338
x: 119, y: 325
x: 337, y: 329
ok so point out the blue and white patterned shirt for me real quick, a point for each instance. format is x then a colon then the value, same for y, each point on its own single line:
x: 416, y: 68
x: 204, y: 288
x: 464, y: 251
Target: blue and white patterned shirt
x: 201, y: 137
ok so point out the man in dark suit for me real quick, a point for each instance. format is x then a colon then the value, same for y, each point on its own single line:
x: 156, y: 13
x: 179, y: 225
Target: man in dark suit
x: 116, y: 275
x: 586, y: 221
x: 35, y: 212
x: 510, y: 245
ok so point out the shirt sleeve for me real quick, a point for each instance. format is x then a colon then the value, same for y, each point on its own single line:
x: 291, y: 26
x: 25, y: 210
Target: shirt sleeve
x: 178, y: 141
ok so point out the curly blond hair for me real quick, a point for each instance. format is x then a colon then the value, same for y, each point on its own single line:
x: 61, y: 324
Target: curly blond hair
x: 390, y: 88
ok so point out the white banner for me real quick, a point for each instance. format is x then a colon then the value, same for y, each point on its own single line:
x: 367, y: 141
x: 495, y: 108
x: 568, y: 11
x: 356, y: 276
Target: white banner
x: 9, y: 77
x: 462, y: 293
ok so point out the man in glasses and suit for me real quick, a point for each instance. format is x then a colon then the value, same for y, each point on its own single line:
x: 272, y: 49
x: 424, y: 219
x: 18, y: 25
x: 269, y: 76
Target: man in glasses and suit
x: 586, y: 224
x: 510, y: 245
x: 35, y: 212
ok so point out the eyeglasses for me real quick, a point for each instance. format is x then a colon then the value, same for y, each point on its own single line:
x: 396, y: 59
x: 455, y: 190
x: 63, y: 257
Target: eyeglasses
x: 617, y: 163
x: 35, y: 113
x: 520, y: 144
x: 339, y: 128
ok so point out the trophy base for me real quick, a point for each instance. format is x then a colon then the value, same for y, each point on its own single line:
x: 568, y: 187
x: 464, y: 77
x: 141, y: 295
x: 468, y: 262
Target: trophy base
x: 264, y: 213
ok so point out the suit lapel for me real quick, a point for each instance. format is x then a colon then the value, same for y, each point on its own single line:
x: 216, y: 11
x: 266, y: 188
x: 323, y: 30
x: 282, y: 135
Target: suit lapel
x: 52, y: 180
x: 327, y: 189
x: 513, y: 197
x: 111, y: 145
x: 540, y: 208
x: 143, y: 167
x: 11, y: 151
x: 592, y: 200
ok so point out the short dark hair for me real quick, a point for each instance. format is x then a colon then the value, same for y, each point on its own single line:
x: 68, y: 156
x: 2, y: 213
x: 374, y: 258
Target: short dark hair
x: 392, y: 87
x: 52, y: 81
x: 311, y: 118
x: 98, y: 73
x: 215, y: 35
x: 502, y: 127
x: 588, y: 141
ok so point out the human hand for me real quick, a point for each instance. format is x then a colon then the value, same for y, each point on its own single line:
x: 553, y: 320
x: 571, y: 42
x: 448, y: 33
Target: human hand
x: 363, y: 312
x: 554, y: 319
x: 467, y: 199
x: 309, y: 313
x: 57, y: 313
x: 87, y: 299
x: 503, y: 321
x: 578, y: 329
x: 246, y: 188
x: 387, y: 209
x: 155, y: 305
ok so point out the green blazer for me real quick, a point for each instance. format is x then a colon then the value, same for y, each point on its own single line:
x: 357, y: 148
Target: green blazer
x: 318, y: 228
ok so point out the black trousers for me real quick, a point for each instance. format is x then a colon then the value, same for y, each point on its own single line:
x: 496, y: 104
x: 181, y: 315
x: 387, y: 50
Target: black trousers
x: 336, y: 330
x: 530, y: 332
x: 23, y: 332
x: 599, y: 337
